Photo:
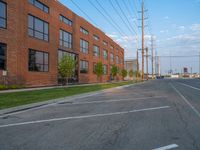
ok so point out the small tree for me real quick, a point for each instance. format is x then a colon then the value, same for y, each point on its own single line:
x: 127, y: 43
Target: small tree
x: 124, y: 73
x: 66, y: 67
x: 131, y: 73
x: 98, y: 70
x: 114, y: 71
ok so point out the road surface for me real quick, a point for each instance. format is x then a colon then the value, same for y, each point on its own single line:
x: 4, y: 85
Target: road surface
x: 161, y: 114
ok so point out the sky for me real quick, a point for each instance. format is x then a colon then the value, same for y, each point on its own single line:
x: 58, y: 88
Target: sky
x: 174, y: 25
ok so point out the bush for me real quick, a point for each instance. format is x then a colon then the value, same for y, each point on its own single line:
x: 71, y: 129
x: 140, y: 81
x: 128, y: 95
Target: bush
x: 7, y: 87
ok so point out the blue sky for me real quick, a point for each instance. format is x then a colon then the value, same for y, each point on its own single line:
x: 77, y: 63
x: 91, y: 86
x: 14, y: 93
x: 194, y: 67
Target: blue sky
x: 175, y: 25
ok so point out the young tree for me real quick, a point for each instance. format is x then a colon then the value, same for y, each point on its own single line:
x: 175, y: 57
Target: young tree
x: 131, y: 73
x: 66, y: 67
x: 124, y: 73
x: 114, y: 71
x: 98, y: 70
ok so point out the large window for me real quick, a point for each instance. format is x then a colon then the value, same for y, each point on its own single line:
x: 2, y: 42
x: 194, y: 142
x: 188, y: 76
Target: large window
x: 84, y: 31
x: 111, y: 57
x: 117, y: 59
x: 65, y: 39
x: 84, y: 46
x: 65, y: 20
x: 62, y: 53
x: 39, y: 5
x: 83, y: 66
x: 3, y: 15
x: 38, y: 61
x: 105, y: 54
x: 2, y: 56
x: 38, y: 28
x: 96, y: 51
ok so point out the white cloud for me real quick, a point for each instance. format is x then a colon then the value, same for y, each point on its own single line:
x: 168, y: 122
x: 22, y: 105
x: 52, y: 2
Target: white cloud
x: 182, y: 28
x: 195, y: 27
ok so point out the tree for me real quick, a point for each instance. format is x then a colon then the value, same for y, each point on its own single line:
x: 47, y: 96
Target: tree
x: 66, y: 67
x: 98, y: 69
x: 124, y: 73
x: 114, y: 71
x: 131, y: 73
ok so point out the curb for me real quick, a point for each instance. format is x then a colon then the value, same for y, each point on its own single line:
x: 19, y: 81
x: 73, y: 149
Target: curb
x: 33, y: 106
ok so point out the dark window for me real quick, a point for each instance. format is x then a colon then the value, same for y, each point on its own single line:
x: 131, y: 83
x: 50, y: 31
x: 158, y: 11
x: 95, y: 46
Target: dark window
x: 84, y: 31
x: 96, y: 37
x: 38, y: 61
x: 105, y: 43
x: 3, y: 15
x: 2, y: 56
x: 65, y: 20
x: 105, y: 69
x: 94, y: 67
x: 111, y: 57
x: 83, y: 66
x: 39, y: 5
x: 38, y: 28
x: 117, y: 59
x: 96, y: 51
x: 84, y: 46
x: 65, y: 39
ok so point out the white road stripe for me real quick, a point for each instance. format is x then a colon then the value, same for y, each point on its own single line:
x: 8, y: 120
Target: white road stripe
x: 190, y: 86
x: 116, y: 100
x: 83, y: 117
x: 183, y: 97
x: 167, y: 147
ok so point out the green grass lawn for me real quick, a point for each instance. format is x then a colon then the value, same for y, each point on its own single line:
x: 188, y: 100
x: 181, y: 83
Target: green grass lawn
x: 8, y: 100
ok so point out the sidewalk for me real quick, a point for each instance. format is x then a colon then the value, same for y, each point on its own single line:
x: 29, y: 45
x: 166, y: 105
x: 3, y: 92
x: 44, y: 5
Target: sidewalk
x: 52, y: 87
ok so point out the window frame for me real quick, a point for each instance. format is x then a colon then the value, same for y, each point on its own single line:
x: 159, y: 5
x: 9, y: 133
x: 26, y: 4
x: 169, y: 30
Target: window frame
x: 6, y: 15
x: 105, y: 72
x: 4, y: 57
x: 95, y: 52
x: 84, y: 31
x: 43, y: 53
x: 34, y: 30
x: 106, y: 54
x: 112, y: 58
x: 82, y: 48
x: 43, y: 5
x: 70, y: 43
x: 62, y: 18
x: 83, y: 70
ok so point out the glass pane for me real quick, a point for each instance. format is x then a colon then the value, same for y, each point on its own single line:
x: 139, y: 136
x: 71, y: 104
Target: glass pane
x: 46, y: 9
x: 46, y: 59
x: 30, y: 22
x: 2, y: 10
x: 46, y: 68
x: 39, y: 25
x: 38, y: 35
x: 46, y: 28
x: 46, y: 37
x: 38, y: 5
x: 2, y: 23
x: 30, y: 1
x: 39, y: 58
x: 30, y: 32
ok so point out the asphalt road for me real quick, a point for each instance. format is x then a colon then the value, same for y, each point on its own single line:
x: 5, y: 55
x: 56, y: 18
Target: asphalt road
x: 161, y: 114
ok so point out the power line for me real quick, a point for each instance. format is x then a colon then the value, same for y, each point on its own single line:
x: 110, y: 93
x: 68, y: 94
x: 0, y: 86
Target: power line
x: 105, y: 17
x: 125, y: 16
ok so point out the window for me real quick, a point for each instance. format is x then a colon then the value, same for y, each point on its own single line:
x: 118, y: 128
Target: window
x: 62, y: 53
x: 96, y: 37
x: 111, y: 57
x: 84, y: 31
x: 111, y: 47
x: 117, y: 59
x: 105, y: 69
x: 3, y: 15
x: 39, y: 5
x: 94, y: 67
x: 65, y: 20
x: 105, y: 54
x: 2, y: 56
x: 65, y: 39
x: 38, y: 28
x: 38, y: 61
x: 105, y: 43
x: 96, y: 51
x: 84, y: 46
x: 83, y: 66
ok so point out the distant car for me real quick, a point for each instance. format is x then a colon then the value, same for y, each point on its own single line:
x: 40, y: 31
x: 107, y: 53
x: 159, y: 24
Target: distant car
x: 160, y: 77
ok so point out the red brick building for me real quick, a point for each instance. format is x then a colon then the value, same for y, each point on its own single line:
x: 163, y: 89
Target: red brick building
x: 35, y: 34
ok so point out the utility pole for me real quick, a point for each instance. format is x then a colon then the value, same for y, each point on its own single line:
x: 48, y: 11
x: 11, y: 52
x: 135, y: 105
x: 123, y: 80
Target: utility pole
x: 142, y: 39
x: 152, y: 57
x: 147, y: 67
x: 199, y: 64
x: 137, y: 65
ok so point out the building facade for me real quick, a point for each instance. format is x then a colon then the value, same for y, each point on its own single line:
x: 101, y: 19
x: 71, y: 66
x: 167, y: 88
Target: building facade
x: 35, y: 34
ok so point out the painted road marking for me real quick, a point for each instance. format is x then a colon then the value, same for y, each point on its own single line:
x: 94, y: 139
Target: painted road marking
x: 183, y: 97
x: 167, y: 147
x: 116, y: 100
x: 190, y: 86
x: 83, y: 117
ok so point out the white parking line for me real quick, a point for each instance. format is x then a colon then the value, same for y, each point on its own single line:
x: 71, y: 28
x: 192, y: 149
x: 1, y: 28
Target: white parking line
x: 83, y: 117
x: 183, y: 97
x: 189, y: 86
x: 167, y: 147
x: 116, y: 100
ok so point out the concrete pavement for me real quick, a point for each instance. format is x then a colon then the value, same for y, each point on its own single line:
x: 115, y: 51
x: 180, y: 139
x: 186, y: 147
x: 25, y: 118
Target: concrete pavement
x: 161, y: 114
